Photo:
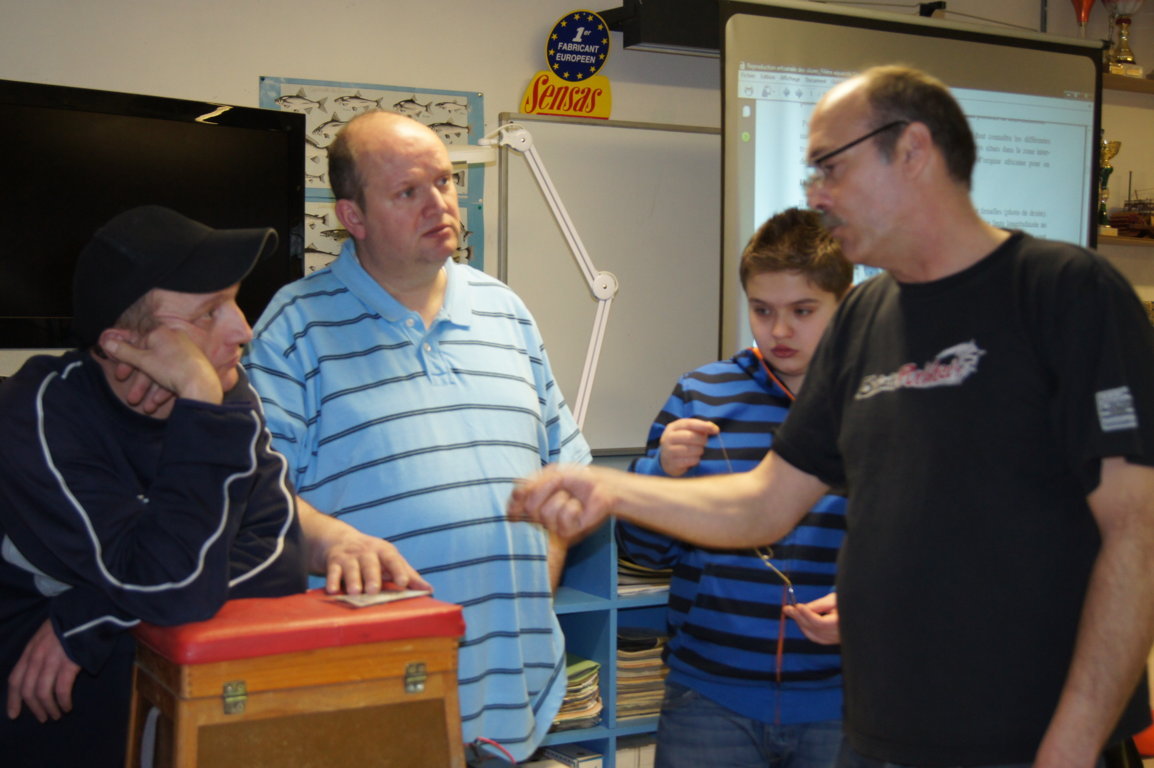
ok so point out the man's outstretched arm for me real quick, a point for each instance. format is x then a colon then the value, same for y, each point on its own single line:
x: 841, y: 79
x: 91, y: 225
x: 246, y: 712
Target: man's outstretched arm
x: 739, y: 510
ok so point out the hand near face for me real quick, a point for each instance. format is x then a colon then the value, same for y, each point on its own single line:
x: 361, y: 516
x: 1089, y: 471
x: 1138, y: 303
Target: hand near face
x: 170, y: 360
x: 142, y: 391
x: 193, y: 352
x: 818, y: 619
x: 683, y: 444
x: 42, y: 678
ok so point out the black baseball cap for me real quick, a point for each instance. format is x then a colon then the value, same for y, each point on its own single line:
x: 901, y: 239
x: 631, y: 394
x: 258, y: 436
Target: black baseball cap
x: 156, y: 247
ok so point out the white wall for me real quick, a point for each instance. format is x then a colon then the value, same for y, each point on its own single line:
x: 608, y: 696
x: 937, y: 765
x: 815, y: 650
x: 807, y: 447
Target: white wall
x: 216, y: 50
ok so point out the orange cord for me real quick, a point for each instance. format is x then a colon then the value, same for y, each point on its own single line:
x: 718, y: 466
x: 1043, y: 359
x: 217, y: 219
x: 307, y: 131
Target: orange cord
x: 769, y: 372
x: 482, y: 740
x: 780, y: 655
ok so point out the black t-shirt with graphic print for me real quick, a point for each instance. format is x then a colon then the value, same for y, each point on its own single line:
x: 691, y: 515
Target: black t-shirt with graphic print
x: 967, y: 417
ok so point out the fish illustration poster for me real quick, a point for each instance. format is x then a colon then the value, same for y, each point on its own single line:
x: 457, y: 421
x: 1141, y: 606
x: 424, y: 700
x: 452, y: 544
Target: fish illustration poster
x: 456, y: 116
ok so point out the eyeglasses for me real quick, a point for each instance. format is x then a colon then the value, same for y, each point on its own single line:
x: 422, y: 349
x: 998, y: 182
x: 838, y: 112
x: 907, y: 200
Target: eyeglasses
x: 818, y: 174
x: 767, y: 555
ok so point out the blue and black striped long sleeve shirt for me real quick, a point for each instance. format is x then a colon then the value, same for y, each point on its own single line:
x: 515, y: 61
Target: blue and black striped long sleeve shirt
x: 724, y: 615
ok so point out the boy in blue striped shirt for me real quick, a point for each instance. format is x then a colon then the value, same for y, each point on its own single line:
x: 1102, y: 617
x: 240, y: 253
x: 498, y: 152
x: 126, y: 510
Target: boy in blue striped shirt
x: 747, y: 686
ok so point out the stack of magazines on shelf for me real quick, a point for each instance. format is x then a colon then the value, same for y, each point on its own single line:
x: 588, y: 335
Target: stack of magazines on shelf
x: 582, y: 706
x: 634, y: 579
x: 640, y: 672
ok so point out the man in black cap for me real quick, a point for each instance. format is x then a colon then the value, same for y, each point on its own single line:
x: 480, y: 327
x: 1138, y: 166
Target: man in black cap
x: 114, y: 510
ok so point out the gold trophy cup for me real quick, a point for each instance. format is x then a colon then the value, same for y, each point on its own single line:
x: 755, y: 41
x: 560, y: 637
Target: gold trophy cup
x: 1108, y: 152
x: 1121, y: 56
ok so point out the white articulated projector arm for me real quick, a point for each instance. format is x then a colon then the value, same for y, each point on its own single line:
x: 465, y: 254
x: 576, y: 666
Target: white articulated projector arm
x: 603, y: 285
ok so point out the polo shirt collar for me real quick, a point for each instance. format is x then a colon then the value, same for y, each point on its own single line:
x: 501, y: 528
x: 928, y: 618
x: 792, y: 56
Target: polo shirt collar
x: 456, y: 308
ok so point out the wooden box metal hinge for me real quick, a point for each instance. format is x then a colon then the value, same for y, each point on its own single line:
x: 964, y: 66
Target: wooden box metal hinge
x: 235, y: 696
x: 415, y: 677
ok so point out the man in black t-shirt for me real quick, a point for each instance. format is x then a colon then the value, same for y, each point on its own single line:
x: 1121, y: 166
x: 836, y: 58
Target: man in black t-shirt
x: 989, y: 402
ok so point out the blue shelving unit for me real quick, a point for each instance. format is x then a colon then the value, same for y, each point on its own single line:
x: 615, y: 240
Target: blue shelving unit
x: 590, y: 612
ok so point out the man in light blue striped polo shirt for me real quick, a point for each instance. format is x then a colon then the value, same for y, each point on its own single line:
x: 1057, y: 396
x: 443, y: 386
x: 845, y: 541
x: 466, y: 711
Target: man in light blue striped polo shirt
x: 409, y: 392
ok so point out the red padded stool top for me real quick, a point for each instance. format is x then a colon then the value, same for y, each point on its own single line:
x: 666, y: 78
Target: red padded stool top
x: 1144, y: 741
x: 264, y: 626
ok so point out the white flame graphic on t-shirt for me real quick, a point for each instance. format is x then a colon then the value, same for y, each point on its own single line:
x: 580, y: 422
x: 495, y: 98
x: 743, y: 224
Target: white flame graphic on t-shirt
x: 948, y: 369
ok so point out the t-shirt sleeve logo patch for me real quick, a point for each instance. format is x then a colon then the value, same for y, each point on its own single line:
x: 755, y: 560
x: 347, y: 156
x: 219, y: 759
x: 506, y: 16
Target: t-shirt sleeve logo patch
x: 1116, y: 409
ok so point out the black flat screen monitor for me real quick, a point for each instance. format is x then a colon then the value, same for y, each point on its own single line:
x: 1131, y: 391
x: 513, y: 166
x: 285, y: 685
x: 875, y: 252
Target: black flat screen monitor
x: 1033, y: 102
x: 73, y: 158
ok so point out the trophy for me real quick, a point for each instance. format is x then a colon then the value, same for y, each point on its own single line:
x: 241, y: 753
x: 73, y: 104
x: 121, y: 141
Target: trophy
x: 1122, y: 57
x: 1109, y: 150
x: 1082, y: 11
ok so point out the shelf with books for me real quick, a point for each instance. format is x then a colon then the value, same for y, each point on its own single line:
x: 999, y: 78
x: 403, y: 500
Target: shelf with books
x: 591, y: 613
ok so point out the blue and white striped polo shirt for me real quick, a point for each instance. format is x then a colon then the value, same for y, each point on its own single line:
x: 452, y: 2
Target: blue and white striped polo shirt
x: 418, y: 436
